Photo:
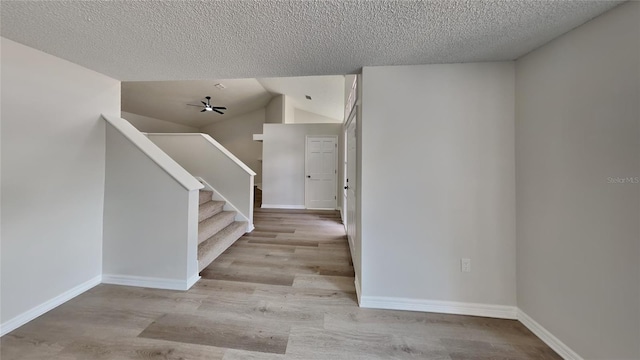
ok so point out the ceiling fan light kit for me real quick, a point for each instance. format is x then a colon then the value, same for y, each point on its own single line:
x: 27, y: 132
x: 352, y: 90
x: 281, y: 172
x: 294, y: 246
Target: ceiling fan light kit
x: 208, y: 107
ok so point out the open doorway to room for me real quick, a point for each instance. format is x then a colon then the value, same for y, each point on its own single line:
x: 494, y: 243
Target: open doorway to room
x: 290, y: 132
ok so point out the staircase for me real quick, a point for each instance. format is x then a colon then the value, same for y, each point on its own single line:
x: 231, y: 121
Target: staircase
x: 217, y: 229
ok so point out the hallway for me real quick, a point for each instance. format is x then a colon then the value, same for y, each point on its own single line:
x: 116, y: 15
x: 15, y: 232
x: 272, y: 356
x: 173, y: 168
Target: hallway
x: 284, y: 291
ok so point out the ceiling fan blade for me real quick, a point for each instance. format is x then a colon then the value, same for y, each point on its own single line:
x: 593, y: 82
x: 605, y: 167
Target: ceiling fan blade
x: 218, y: 111
x: 203, y: 103
x: 195, y: 105
x: 219, y: 107
x: 203, y: 110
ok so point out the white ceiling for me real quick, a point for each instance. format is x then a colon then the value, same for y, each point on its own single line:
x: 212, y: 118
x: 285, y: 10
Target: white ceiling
x: 326, y: 92
x: 167, y: 100
x: 180, y: 40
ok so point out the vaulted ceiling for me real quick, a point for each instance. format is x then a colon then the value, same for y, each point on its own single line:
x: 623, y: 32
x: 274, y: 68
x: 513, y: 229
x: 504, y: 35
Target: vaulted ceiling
x: 184, y: 40
x: 168, y: 100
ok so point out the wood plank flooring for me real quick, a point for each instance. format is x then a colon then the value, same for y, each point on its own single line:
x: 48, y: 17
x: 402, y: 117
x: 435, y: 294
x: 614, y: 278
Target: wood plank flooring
x: 285, y: 291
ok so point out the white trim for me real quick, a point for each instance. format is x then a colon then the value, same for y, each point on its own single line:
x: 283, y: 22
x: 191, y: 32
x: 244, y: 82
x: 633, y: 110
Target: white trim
x: 351, y: 247
x: 215, y: 144
x: 224, y: 150
x: 150, y: 282
x: 206, y: 185
x: 232, y: 171
x: 48, y: 305
x: 192, y: 281
x: 438, y: 306
x: 358, y: 289
x: 277, y: 206
x: 153, y: 152
x: 558, y: 346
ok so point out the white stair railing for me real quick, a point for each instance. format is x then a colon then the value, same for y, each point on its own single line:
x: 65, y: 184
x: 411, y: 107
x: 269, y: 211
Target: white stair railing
x: 207, y: 159
x: 150, y: 227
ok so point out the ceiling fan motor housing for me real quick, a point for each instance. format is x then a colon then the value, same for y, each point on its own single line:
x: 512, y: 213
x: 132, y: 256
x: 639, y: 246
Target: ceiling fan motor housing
x: 208, y: 107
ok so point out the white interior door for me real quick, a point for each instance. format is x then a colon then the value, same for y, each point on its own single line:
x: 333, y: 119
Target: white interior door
x: 321, y: 169
x: 350, y: 181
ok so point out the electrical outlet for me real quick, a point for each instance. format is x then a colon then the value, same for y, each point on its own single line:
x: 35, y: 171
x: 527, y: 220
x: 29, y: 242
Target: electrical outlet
x: 465, y: 265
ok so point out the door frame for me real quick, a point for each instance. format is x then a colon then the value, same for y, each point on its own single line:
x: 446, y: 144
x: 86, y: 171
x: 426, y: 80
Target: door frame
x: 352, y: 121
x: 306, y: 170
x: 345, y: 134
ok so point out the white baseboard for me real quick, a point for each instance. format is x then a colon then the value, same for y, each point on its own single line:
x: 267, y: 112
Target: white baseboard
x: 192, y: 281
x: 150, y: 282
x: 446, y: 307
x: 357, y: 283
x: 558, y: 346
x: 276, y: 206
x: 29, y: 315
x: 474, y: 309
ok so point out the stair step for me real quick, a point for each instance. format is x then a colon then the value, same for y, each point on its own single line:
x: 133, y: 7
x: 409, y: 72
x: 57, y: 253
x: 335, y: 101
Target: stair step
x: 205, y: 195
x: 212, y: 225
x: 209, y: 209
x: 210, y: 249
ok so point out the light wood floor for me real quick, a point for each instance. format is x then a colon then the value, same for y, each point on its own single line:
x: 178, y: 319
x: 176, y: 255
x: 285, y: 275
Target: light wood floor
x: 285, y: 291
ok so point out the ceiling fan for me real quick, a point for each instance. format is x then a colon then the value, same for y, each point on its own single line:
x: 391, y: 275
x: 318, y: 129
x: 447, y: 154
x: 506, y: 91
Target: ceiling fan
x: 208, y: 107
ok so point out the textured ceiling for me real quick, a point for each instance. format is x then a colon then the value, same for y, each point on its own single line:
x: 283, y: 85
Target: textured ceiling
x: 180, y: 40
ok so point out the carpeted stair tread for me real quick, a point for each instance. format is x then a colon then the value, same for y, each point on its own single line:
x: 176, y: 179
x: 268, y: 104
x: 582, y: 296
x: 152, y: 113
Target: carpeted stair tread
x: 212, y: 225
x: 215, y: 245
x: 209, y: 209
x: 205, y: 195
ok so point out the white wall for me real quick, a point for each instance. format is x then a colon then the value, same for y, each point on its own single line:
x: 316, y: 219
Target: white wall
x: 358, y: 238
x: 437, y: 157
x: 275, y: 110
x: 236, y: 134
x: 283, y: 177
x: 289, y: 110
x: 305, y: 117
x: 356, y: 247
x: 280, y: 110
x: 53, y: 160
x: 578, y: 234
x: 149, y: 124
x: 348, y: 82
x: 203, y: 157
x: 150, y: 220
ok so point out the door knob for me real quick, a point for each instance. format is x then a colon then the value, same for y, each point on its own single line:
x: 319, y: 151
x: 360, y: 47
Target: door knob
x: 346, y: 187
x: 309, y: 176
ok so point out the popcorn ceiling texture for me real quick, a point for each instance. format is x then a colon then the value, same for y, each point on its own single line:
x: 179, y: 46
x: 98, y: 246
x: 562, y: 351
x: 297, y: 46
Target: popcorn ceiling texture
x: 171, y: 40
